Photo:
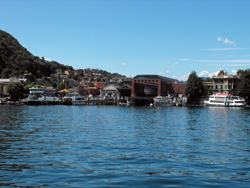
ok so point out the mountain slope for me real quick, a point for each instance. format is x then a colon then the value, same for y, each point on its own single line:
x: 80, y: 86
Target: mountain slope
x: 15, y: 60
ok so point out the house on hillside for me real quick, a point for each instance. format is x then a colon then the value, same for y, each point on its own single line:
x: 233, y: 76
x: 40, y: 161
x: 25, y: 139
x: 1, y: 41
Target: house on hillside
x: 5, y: 82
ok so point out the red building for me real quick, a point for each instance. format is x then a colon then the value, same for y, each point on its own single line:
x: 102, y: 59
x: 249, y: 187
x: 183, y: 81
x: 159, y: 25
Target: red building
x: 92, y: 91
x: 99, y: 86
x: 146, y: 87
x: 179, y: 89
x: 151, y: 86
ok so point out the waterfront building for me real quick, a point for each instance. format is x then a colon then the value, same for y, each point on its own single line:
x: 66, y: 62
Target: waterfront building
x: 92, y: 91
x: 179, y: 89
x: 125, y: 89
x: 146, y: 87
x: 151, y: 85
x: 7, y: 81
x: 225, y: 84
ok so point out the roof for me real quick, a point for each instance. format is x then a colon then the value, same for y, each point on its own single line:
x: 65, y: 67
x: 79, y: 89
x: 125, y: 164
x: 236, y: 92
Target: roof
x: 152, y: 76
x: 65, y: 91
x: 207, y: 82
x: 226, y: 77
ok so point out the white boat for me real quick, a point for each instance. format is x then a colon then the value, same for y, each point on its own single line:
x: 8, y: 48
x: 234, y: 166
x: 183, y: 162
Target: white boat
x: 74, y: 99
x: 163, y: 101
x: 227, y: 100
x: 41, y: 96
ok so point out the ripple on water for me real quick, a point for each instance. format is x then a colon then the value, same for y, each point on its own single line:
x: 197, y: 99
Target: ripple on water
x: 99, y: 146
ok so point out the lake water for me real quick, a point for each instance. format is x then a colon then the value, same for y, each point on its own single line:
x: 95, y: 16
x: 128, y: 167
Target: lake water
x: 110, y: 146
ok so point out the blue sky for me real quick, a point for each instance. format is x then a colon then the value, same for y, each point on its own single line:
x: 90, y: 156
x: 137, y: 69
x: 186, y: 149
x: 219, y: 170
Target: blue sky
x: 130, y: 37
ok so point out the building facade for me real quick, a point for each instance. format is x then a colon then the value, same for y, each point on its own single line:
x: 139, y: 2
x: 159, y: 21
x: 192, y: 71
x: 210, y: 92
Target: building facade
x: 225, y: 84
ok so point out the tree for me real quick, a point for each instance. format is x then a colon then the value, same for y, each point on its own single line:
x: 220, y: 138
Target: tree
x: 208, y: 79
x: 222, y: 73
x: 194, y: 88
x: 15, y: 90
x: 244, y: 84
x: 60, y: 86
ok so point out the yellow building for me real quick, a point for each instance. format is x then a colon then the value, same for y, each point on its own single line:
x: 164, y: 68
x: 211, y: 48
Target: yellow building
x: 225, y: 84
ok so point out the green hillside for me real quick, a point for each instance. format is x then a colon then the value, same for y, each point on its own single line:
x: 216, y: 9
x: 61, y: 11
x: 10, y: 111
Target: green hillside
x: 15, y: 60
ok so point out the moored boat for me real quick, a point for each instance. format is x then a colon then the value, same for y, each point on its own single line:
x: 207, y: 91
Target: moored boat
x: 74, y: 98
x: 163, y: 101
x: 41, y: 96
x: 227, y: 100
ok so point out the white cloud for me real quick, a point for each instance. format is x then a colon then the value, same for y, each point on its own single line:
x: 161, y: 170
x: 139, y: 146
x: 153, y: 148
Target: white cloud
x: 182, y: 78
x: 225, y: 61
x: 164, y: 73
x: 235, y: 65
x: 124, y: 64
x: 48, y: 59
x: 219, y: 39
x: 226, y: 41
x: 205, y: 73
x: 176, y: 63
x: 185, y: 59
x: 221, y: 49
x: 234, y: 71
x: 222, y: 61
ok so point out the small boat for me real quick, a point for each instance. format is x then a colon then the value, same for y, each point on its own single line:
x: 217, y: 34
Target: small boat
x: 41, y: 96
x: 227, y: 100
x: 74, y: 99
x: 3, y: 101
x: 109, y: 100
x: 163, y: 101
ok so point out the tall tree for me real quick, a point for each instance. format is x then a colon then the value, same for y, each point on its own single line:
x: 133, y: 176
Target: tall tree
x: 194, y: 88
x: 244, y: 84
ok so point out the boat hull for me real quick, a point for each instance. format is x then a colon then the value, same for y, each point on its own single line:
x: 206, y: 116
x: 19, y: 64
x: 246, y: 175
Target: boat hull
x: 163, y: 101
x: 225, y: 105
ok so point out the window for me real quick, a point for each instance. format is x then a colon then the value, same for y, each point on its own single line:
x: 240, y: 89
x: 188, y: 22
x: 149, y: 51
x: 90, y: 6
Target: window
x: 216, y: 87
x: 225, y: 86
x: 221, y: 87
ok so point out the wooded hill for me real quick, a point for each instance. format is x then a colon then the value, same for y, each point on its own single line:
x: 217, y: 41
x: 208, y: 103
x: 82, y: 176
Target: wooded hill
x: 15, y: 60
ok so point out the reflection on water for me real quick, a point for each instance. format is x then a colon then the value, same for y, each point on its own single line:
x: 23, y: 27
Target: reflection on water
x: 100, y: 146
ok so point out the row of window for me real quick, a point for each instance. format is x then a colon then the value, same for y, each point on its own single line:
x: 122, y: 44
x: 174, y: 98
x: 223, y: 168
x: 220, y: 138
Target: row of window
x: 226, y: 87
x: 145, y: 81
x: 229, y: 81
